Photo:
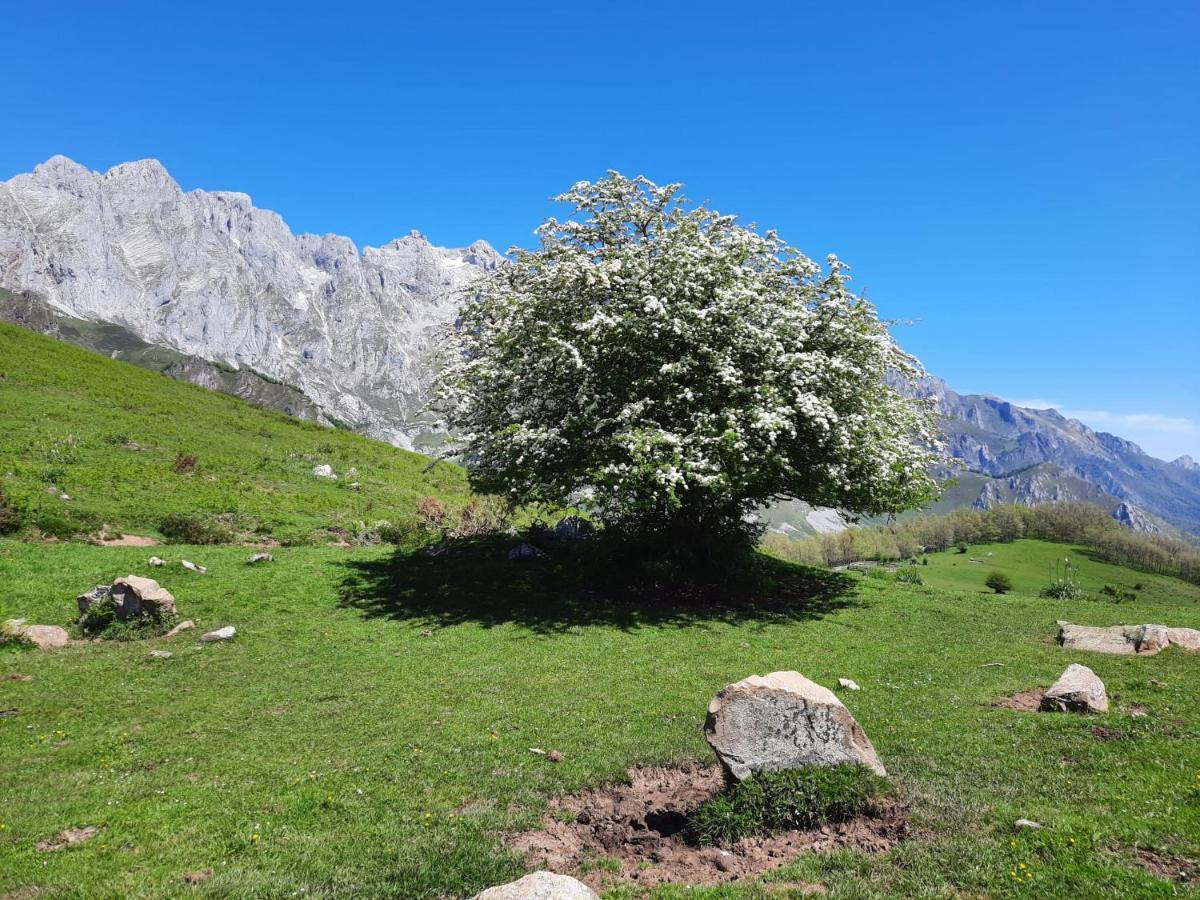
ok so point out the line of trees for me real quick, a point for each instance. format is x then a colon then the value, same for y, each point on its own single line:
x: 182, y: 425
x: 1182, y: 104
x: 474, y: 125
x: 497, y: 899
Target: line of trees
x: 1077, y: 523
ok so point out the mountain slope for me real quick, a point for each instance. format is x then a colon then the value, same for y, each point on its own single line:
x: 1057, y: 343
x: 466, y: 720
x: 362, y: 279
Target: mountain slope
x: 89, y: 441
x: 208, y: 275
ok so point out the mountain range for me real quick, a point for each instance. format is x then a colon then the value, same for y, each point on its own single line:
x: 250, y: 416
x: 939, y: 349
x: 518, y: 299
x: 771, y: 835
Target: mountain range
x: 206, y: 287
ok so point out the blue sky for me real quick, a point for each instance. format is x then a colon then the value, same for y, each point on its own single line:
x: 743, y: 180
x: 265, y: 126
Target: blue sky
x: 1020, y: 180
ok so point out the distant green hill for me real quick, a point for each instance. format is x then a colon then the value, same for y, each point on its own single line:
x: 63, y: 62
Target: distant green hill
x: 106, y: 434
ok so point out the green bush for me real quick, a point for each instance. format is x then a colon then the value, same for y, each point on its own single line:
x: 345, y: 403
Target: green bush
x: 961, y: 547
x: 909, y: 575
x: 999, y: 582
x: 771, y: 802
x: 100, y: 621
x: 10, y: 517
x: 187, y: 528
x: 1063, y: 589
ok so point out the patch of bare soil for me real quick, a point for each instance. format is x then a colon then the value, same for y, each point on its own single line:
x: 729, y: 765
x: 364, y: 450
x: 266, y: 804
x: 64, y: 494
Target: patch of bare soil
x: 1025, y: 701
x: 129, y: 540
x: 639, y: 827
x: 67, y: 838
x: 1172, y: 868
x: 1100, y: 733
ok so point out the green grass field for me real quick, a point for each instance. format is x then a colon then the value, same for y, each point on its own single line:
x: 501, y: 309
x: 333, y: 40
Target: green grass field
x: 106, y: 434
x: 367, y: 734
x: 332, y: 750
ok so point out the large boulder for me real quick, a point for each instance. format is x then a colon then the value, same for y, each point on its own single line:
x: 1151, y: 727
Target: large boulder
x: 134, y: 595
x: 540, y: 886
x: 1078, y: 689
x: 784, y: 721
x: 44, y: 637
x: 1126, y: 640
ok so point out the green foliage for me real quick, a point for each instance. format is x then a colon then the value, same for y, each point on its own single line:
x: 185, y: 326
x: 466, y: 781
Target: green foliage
x: 109, y: 434
x: 771, y: 802
x: 879, y: 573
x: 1063, y: 589
x: 686, y: 371
x: 188, y: 528
x: 909, y: 575
x: 10, y: 517
x: 100, y: 621
x: 1080, y: 523
x: 999, y: 582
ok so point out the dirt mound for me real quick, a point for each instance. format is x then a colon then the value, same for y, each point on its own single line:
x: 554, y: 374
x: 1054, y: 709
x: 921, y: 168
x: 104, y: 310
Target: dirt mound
x: 634, y: 833
x: 1025, y: 701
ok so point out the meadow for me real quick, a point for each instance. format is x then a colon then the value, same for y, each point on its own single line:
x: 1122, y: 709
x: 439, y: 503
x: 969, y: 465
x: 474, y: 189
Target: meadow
x: 368, y: 731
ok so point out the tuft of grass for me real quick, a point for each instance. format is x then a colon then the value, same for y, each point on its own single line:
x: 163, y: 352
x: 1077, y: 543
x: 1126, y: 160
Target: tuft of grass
x: 771, y: 802
x: 909, y: 575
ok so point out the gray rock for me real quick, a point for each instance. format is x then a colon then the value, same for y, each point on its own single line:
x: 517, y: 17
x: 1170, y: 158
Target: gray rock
x: 221, y: 634
x: 44, y: 637
x: 525, y: 552
x: 1022, y: 824
x: 540, y: 886
x: 157, y: 561
x: 574, y: 528
x: 783, y: 721
x: 186, y: 625
x: 134, y: 595
x: 1078, y: 689
x: 324, y: 471
x: 848, y: 684
x: 1126, y: 640
x: 193, y: 567
x: 87, y: 598
x: 209, y: 275
x: 260, y: 557
x: 1185, y: 638
x: 160, y: 654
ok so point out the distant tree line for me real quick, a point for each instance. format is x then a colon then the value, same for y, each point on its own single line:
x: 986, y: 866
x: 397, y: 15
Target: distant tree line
x: 1076, y: 523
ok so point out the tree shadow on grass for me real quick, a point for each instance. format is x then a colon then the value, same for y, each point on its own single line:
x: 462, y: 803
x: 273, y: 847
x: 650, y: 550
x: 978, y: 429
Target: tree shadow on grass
x: 475, y: 582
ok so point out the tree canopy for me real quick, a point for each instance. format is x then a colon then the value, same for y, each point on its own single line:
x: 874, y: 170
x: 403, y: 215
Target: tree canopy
x: 668, y: 367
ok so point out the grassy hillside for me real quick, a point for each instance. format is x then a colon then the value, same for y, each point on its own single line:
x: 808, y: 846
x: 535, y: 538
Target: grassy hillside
x: 106, y: 434
x: 336, y: 749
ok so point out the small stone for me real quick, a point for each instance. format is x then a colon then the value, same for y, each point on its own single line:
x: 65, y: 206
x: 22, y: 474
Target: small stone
x: 848, y: 683
x: 783, y: 721
x: 186, y: 625
x: 17, y: 676
x: 221, y: 634
x: 538, y: 750
x: 1078, y: 689
x: 324, y: 471
x: 525, y: 552
x: 555, y: 756
x: 1021, y: 824
x: 67, y: 838
x: 540, y: 886
x: 426, y: 632
x: 260, y: 557
x: 160, y: 654
x: 188, y: 564
x: 157, y: 561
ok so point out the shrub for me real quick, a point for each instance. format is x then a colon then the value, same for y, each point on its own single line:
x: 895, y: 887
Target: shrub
x: 10, y: 516
x: 999, y: 582
x: 184, y: 462
x: 961, y: 547
x: 397, y: 532
x: 189, y: 528
x: 879, y: 573
x: 1108, y: 590
x: 432, y: 512
x: 1063, y: 588
x: 100, y: 621
x: 482, y: 516
x: 909, y: 575
x: 771, y: 802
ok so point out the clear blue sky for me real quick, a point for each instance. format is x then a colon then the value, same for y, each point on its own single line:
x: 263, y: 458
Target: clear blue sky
x: 1020, y: 179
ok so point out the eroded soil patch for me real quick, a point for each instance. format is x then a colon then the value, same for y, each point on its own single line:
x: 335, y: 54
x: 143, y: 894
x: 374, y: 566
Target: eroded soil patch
x: 634, y: 833
x: 1172, y: 868
x: 1025, y: 701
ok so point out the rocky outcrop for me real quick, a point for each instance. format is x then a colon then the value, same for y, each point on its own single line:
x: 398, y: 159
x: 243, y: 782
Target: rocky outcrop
x: 131, y: 596
x: 540, y: 886
x: 1126, y: 640
x: 1078, y: 689
x: 783, y: 721
x: 210, y: 276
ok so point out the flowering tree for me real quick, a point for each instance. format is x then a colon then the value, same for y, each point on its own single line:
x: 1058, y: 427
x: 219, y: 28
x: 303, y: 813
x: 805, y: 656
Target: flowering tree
x: 675, y: 371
